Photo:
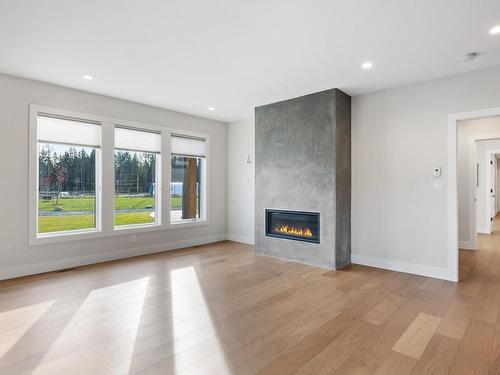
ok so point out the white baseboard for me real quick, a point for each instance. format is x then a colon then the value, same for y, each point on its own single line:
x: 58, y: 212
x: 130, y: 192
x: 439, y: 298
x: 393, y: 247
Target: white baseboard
x: 483, y: 230
x: 394, y: 265
x: 466, y: 245
x: 237, y: 238
x: 32, y: 269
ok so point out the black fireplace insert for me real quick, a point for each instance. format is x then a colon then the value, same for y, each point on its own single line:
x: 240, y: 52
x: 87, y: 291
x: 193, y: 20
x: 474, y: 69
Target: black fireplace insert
x: 293, y: 225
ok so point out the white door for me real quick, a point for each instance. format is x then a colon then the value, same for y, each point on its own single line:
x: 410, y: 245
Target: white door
x: 493, y: 178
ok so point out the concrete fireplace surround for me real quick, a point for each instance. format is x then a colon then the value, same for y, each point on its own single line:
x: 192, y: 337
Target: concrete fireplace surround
x: 303, y: 163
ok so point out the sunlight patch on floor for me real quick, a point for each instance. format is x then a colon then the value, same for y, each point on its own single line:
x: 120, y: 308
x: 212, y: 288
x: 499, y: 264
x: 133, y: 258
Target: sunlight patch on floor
x: 194, y: 352
x: 15, y: 323
x: 96, y: 327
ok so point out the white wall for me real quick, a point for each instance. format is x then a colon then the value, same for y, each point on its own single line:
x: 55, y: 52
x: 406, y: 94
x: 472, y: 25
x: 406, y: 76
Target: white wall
x: 398, y: 136
x: 484, y: 149
x: 17, y: 257
x: 467, y: 132
x: 398, y: 221
x: 241, y: 181
x: 497, y: 192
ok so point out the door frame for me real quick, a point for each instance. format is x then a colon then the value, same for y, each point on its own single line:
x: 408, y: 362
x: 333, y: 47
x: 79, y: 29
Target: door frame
x: 453, y: 254
x: 474, y: 229
x: 489, y: 155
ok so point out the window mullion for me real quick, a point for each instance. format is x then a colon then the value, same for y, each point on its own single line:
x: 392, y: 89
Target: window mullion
x: 107, y: 196
x: 165, y: 177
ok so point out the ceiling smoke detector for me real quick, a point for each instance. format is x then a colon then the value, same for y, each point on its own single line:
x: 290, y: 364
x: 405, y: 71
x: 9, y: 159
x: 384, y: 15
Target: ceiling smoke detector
x: 470, y: 56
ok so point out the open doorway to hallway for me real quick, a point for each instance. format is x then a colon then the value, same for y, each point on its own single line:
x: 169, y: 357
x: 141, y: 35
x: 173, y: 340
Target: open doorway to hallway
x: 478, y: 185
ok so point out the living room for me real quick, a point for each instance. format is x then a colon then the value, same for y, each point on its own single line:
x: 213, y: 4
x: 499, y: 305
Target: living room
x: 243, y: 188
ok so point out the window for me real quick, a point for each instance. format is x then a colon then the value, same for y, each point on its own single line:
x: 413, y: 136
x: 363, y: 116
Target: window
x: 136, y: 177
x: 68, y: 161
x: 187, y: 184
x: 92, y: 176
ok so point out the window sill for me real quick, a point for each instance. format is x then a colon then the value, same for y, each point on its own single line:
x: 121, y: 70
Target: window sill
x: 187, y: 223
x: 117, y: 231
x: 138, y: 228
x: 65, y: 236
x: 51, y: 235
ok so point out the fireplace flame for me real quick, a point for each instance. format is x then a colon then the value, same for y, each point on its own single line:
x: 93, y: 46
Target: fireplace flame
x: 299, y: 232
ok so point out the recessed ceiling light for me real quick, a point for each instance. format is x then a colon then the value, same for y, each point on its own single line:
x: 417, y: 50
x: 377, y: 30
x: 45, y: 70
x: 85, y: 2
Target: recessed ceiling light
x: 88, y: 77
x: 495, y: 30
x: 367, y: 65
x: 211, y: 108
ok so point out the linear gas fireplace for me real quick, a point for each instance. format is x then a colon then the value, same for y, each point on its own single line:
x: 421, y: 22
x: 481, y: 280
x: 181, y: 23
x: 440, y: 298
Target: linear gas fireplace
x: 293, y: 225
x: 303, y: 162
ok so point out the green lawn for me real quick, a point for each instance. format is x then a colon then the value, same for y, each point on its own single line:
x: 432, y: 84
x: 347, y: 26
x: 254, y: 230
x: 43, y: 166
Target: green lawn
x: 88, y: 204
x: 47, y: 224
x: 59, y: 223
x: 133, y: 218
x: 68, y: 204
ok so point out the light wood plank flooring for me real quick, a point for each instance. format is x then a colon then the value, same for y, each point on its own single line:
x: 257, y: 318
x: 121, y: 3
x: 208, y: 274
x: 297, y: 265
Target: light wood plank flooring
x: 219, y: 309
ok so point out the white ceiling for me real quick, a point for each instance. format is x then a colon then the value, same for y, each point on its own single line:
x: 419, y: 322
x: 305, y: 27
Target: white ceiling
x: 188, y: 55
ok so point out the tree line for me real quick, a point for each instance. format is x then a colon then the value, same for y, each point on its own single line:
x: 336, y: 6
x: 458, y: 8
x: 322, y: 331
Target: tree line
x: 134, y: 172
x: 73, y: 170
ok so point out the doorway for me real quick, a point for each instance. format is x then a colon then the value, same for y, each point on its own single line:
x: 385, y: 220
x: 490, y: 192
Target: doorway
x: 474, y: 144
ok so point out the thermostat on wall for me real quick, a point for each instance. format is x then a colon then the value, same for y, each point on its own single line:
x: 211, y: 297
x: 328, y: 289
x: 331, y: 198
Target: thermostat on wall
x: 437, y: 172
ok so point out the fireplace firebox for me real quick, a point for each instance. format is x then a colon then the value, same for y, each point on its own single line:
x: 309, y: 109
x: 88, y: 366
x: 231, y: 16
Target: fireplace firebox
x: 293, y: 225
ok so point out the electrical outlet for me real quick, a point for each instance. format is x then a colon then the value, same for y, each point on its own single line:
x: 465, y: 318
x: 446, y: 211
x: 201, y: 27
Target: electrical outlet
x: 438, y: 185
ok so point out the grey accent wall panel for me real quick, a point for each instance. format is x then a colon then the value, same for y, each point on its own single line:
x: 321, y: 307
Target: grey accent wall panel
x: 302, y: 162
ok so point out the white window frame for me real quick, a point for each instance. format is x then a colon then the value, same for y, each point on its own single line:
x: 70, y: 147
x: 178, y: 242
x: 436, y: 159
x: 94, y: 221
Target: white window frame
x: 158, y: 183
x: 35, y: 111
x: 205, y: 191
x: 203, y: 196
x: 105, y: 201
x: 98, y: 202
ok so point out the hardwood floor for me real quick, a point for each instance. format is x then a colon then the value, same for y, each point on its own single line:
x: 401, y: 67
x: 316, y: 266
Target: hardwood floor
x: 219, y: 309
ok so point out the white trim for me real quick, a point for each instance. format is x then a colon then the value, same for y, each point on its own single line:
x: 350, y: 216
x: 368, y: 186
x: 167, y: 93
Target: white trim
x: 117, y: 231
x: 466, y: 245
x: 412, y: 268
x: 188, y: 223
x: 32, y: 269
x: 205, y: 178
x: 473, y: 187
x: 243, y: 239
x: 490, y: 154
x: 158, y: 198
x: 453, y: 264
x: 105, y: 214
x: 472, y: 165
x: 473, y: 191
x: 483, y: 230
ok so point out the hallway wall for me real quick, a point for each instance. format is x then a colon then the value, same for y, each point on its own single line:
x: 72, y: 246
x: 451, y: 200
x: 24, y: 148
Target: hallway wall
x: 498, y: 185
x: 484, y: 149
x: 399, y: 221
